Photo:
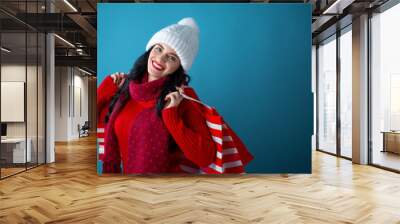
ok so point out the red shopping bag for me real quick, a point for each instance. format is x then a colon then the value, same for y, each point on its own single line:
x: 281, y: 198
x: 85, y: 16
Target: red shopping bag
x: 227, y: 159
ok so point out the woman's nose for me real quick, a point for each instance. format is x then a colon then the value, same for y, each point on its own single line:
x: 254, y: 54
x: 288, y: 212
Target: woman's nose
x: 162, y: 57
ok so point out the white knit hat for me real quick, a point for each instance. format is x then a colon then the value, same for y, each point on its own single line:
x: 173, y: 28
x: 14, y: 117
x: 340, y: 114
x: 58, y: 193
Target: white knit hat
x: 183, y: 37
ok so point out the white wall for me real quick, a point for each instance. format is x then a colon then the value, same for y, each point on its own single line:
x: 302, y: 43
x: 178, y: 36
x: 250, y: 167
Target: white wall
x: 61, y: 103
x: 70, y: 83
x: 80, y: 89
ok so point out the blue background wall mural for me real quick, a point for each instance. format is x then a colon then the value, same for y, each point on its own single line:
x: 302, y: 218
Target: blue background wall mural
x: 253, y: 65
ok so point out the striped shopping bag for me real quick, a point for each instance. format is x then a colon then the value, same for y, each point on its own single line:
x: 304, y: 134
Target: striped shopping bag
x: 227, y: 158
x: 100, y: 141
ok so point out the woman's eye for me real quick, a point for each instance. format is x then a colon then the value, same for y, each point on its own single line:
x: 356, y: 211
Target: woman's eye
x: 172, y: 58
x: 158, y: 49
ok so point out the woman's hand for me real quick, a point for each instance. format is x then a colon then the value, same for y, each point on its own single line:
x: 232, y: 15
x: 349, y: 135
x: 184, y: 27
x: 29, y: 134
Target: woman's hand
x: 173, y: 98
x: 118, y: 78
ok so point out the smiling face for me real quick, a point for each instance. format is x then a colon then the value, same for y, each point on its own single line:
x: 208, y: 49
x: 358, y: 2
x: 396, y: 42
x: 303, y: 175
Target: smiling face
x: 162, y: 61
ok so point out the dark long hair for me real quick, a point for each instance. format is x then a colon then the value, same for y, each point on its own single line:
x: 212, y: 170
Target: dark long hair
x: 175, y: 79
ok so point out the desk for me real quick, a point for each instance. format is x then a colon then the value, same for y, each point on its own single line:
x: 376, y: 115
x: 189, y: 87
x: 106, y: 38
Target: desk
x: 391, y: 141
x: 15, y: 148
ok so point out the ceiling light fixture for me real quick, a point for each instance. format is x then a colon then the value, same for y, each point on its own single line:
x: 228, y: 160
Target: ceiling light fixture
x: 337, y: 7
x: 86, y: 72
x: 5, y: 49
x: 64, y: 40
x: 70, y: 5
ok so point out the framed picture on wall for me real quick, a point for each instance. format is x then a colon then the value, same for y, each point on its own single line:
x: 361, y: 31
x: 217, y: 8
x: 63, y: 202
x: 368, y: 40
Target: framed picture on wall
x: 12, y: 101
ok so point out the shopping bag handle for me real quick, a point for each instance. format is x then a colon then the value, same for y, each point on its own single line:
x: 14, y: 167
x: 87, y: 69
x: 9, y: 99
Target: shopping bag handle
x: 181, y: 91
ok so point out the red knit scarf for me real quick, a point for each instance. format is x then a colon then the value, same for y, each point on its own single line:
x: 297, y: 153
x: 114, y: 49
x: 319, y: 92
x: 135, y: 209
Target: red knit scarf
x: 148, y: 138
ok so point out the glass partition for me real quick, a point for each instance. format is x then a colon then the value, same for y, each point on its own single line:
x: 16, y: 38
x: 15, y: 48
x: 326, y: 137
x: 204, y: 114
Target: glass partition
x: 385, y: 88
x: 327, y: 95
x: 346, y: 93
x: 14, y: 154
x: 22, y: 64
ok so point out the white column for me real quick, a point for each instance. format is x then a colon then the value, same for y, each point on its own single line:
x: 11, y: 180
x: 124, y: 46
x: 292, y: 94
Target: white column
x: 50, y: 110
x: 50, y: 93
x: 360, y: 90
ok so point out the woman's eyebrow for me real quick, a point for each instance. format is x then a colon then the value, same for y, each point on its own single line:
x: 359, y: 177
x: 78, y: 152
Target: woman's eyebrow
x: 174, y: 55
x: 169, y: 53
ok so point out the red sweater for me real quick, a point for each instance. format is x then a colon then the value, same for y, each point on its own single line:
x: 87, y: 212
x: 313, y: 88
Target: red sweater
x: 184, y: 122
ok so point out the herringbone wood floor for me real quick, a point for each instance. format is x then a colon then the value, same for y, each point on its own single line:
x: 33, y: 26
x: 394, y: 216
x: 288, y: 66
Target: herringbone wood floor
x: 70, y: 191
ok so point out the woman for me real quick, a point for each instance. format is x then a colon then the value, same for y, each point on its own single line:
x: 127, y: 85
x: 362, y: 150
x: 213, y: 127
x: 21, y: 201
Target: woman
x: 147, y: 124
